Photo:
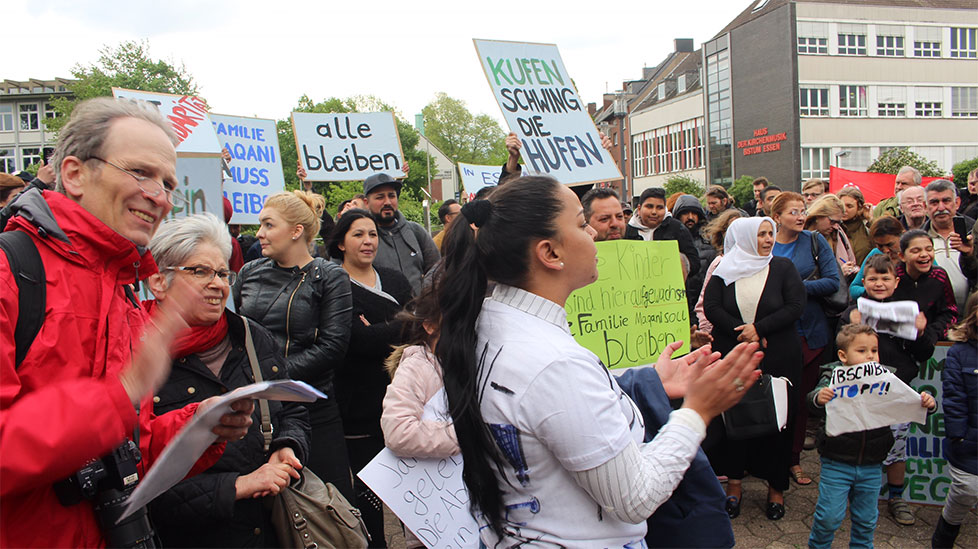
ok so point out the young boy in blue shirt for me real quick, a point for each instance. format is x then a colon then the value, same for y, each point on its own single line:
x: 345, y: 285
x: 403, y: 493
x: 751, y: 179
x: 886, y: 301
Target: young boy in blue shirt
x: 851, y: 461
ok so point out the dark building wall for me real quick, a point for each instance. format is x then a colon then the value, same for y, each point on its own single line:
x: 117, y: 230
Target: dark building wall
x: 764, y: 85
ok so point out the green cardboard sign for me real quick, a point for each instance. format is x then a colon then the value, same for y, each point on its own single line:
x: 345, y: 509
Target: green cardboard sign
x: 636, y: 307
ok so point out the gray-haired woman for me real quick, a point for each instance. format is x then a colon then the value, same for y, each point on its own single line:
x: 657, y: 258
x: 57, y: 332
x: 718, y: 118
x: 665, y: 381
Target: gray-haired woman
x: 223, y: 506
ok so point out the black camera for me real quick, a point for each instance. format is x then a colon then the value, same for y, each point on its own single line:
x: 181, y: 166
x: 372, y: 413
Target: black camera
x: 108, y: 482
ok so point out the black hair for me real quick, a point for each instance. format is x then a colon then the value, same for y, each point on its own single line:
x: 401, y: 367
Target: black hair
x: 483, y: 193
x: 597, y: 193
x: 342, y: 227
x: 445, y: 209
x: 343, y: 205
x: 652, y: 192
x: 886, y: 225
x: 768, y: 189
x: 517, y: 214
x: 910, y: 235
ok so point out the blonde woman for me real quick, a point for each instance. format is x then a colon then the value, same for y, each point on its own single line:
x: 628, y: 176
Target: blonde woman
x: 825, y: 217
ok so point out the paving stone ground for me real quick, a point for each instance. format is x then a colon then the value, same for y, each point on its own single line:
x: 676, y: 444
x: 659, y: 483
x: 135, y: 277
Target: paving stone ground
x: 753, y: 529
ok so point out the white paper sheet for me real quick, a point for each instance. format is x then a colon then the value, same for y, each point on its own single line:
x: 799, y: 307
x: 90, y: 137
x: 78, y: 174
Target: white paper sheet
x: 868, y: 396
x: 896, y: 318
x: 185, y: 449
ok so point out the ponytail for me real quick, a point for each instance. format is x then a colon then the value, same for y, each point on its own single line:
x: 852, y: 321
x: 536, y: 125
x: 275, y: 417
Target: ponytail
x: 498, y: 249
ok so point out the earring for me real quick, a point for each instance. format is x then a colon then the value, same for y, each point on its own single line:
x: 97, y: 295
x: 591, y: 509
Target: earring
x: 561, y: 264
x: 295, y: 238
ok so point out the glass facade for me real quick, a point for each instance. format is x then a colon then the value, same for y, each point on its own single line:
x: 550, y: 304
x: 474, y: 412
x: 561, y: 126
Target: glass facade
x: 720, y: 112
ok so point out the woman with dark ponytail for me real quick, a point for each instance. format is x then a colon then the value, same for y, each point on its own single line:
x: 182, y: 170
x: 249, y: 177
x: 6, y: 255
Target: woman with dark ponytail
x: 552, y: 447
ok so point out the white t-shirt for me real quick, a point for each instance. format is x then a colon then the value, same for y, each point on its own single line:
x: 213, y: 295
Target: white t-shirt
x: 555, y: 409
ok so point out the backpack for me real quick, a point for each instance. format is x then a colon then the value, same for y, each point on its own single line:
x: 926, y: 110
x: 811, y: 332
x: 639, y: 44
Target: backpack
x: 28, y: 271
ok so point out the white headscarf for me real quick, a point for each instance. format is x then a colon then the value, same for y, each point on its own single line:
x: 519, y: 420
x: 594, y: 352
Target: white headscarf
x: 740, y: 257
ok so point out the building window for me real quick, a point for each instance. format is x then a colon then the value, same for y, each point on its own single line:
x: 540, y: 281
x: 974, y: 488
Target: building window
x: 852, y: 101
x: 813, y: 38
x: 964, y: 102
x: 964, y: 43
x: 891, y: 101
x: 890, y: 40
x: 30, y: 156
x: 8, y: 162
x: 926, y: 49
x: 927, y: 109
x: 857, y: 158
x: 29, y: 119
x: 49, y: 111
x: 815, y: 163
x: 6, y: 118
x: 681, y: 83
x: 814, y: 102
x: 852, y: 39
x: 927, y: 41
x: 719, y: 112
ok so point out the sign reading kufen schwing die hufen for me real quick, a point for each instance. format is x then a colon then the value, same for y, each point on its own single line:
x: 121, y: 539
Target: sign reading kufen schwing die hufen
x: 542, y: 107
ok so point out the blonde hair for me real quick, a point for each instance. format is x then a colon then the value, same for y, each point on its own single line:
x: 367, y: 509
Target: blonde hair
x: 299, y: 208
x: 812, y: 183
x: 857, y: 195
x: 824, y: 206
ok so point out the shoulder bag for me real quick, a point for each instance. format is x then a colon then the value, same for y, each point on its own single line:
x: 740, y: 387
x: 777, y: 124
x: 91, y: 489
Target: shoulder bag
x: 762, y: 412
x: 309, y: 513
x: 837, y: 302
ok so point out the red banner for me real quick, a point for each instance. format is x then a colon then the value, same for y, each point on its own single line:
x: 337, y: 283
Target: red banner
x: 874, y: 186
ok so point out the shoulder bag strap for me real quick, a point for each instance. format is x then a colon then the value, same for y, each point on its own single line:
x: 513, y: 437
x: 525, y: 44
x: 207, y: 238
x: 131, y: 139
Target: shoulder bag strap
x: 266, y: 417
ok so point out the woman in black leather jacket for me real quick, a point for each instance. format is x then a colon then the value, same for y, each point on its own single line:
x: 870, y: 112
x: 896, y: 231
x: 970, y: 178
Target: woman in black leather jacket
x: 305, y: 302
x: 224, y: 506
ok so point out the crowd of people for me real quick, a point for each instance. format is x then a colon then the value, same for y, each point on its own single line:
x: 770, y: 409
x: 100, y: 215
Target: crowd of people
x: 383, y: 318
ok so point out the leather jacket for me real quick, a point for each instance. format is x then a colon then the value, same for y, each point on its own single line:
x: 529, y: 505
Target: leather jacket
x: 307, y: 310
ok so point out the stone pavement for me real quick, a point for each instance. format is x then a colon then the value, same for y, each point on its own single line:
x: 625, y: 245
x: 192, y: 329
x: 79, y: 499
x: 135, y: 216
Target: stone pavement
x: 753, y: 529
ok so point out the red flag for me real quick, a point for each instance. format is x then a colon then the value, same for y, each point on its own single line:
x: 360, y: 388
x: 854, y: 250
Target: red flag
x: 874, y: 186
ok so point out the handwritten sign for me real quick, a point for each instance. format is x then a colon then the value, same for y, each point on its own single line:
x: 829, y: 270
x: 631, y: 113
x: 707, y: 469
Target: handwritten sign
x: 636, y: 307
x: 928, y: 473
x: 347, y: 146
x: 541, y: 105
x: 187, y: 115
x: 256, y: 164
x: 475, y: 177
x: 869, y: 396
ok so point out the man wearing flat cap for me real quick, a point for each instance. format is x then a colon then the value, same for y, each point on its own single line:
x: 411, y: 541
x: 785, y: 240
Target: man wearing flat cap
x: 404, y: 245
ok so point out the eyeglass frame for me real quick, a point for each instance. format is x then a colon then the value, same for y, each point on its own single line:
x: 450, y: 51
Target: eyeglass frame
x: 230, y: 279
x: 172, y: 196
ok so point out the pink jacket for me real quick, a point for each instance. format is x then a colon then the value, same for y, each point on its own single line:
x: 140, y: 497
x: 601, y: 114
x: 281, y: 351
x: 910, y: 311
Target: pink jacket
x: 416, y: 377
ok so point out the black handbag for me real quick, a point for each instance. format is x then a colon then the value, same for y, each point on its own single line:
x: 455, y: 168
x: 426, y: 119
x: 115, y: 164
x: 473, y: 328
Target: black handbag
x: 308, y: 513
x: 755, y: 415
x: 837, y: 302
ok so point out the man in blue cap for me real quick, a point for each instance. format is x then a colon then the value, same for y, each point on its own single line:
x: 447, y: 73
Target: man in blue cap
x: 404, y: 245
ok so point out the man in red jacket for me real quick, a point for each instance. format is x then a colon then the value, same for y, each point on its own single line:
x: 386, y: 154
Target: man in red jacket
x: 87, y: 379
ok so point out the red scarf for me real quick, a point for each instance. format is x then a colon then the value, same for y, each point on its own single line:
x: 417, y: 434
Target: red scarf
x: 196, y: 338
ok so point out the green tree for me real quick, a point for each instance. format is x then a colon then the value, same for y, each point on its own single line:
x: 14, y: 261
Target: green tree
x: 475, y: 139
x: 961, y: 171
x: 683, y: 184
x: 742, y: 189
x: 336, y: 192
x: 893, y: 159
x: 127, y: 65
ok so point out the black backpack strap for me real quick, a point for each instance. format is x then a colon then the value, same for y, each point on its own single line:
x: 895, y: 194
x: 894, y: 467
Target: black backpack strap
x: 28, y: 271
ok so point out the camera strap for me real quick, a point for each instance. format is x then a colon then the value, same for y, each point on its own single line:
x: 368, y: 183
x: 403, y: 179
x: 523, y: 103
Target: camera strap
x: 266, y: 417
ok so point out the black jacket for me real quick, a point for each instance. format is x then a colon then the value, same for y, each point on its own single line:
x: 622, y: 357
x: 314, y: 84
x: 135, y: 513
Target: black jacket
x: 934, y: 297
x: 307, y: 310
x: 201, y: 511
x: 672, y: 229
x: 706, y: 251
x: 901, y: 355
x: 362, y: 381
x: 860, y: 448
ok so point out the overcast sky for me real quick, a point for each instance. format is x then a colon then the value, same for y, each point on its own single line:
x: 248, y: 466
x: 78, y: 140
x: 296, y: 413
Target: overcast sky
x: 256, y: 58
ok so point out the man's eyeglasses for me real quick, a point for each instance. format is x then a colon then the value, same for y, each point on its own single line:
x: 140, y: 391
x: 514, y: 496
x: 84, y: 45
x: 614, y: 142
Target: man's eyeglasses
x: 149, y: 185
x: 206, y: 274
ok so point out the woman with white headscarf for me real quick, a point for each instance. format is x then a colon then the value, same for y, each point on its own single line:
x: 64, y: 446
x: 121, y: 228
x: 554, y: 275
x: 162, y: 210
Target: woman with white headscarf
x: 754, y: 296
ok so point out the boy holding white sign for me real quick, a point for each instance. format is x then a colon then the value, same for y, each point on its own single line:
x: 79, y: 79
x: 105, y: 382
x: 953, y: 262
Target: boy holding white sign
x: 850, y: 461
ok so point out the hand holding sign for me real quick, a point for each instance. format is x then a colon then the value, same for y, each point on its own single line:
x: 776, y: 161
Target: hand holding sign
x: 868, y: 396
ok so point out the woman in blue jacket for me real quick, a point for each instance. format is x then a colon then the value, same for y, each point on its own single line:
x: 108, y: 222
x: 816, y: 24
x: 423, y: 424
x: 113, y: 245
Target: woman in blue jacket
x: 960, y: 382
x: 795, y: 243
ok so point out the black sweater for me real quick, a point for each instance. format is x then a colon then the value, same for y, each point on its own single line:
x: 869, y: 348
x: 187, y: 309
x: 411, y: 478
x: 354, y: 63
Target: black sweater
x: 902, y: 355
x: 361, y: 380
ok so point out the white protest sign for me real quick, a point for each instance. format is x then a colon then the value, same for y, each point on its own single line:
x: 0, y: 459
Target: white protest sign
x: 476, y: 177
x: 256, y: 164
x: 868, y: 396
x: 896, y: 318
x: 199, y: 181
x: 541, y: 105
x: 187, y: 115
x: 347, y: 146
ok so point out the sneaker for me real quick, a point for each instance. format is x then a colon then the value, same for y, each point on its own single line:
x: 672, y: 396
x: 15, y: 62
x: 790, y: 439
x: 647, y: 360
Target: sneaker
x: 900, y: 511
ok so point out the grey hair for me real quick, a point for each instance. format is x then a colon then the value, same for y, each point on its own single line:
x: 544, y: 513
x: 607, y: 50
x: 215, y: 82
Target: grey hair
x: 917, y: 178
x: 177, y: 239
x: 84, y: 135
x: 941, y: 185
